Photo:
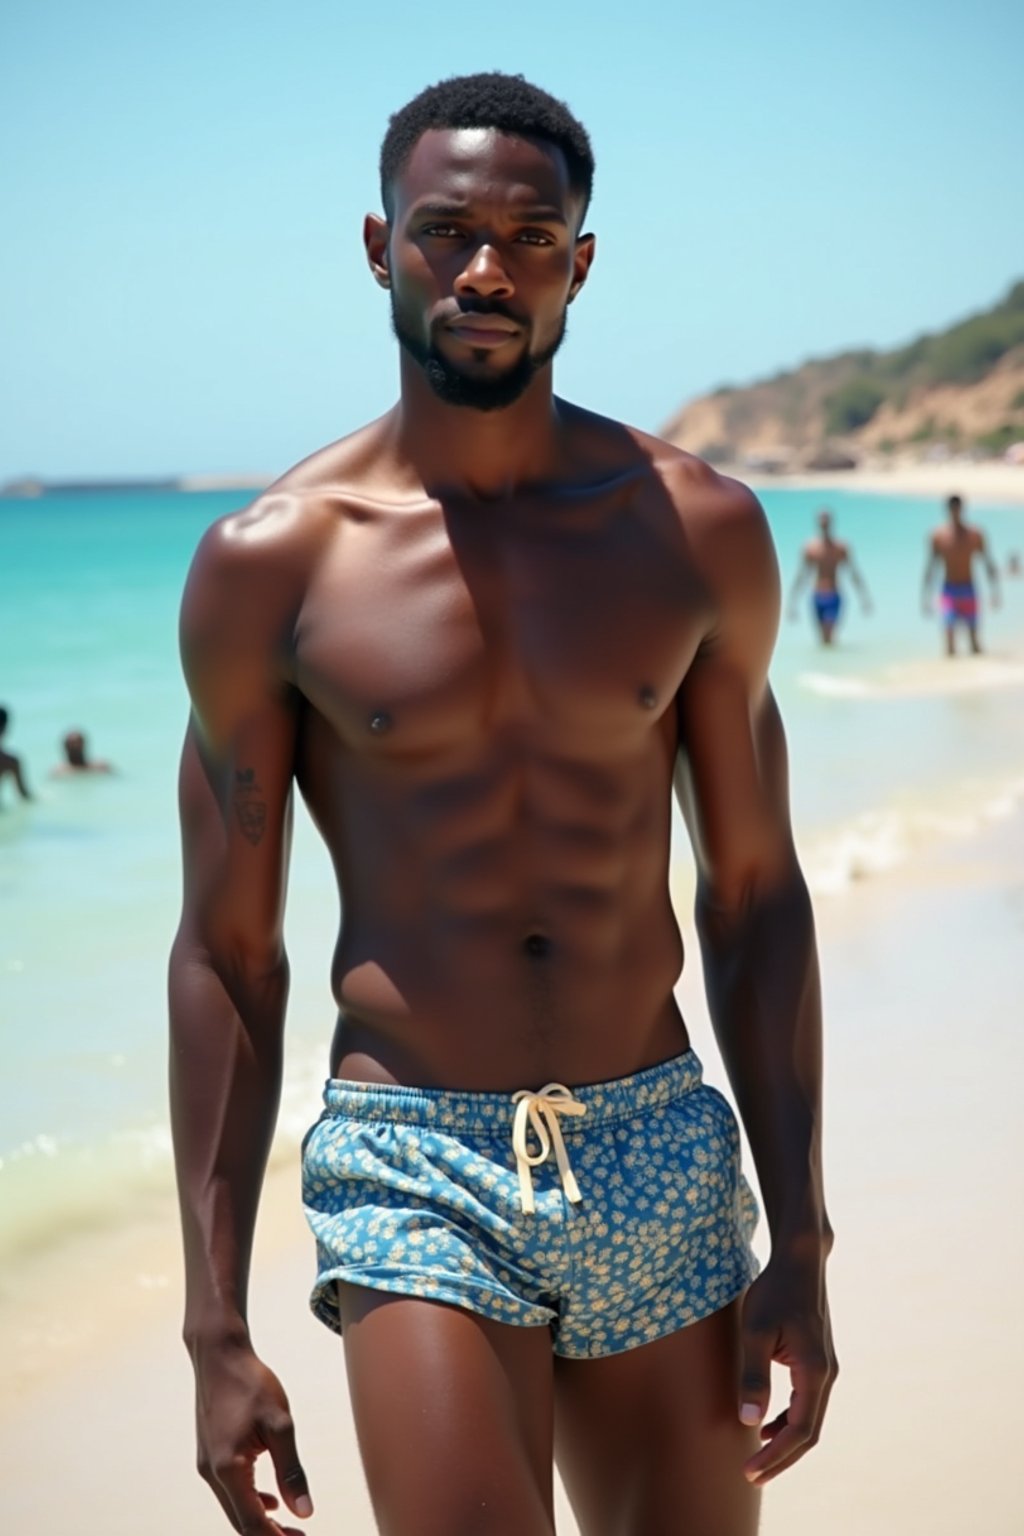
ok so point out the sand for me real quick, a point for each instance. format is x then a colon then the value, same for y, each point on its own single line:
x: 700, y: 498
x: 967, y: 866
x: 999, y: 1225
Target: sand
x: 922, y: 971
x: 988, y: 482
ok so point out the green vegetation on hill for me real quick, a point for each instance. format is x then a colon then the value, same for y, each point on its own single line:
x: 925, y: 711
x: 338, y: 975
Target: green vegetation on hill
x: 959, y: 387
x: 960, y: 355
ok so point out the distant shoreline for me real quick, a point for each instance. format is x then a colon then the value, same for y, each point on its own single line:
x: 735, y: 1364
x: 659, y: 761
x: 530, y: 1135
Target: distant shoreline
x: 984, y: 481
x: 981, y: 481
x: 30, y: 489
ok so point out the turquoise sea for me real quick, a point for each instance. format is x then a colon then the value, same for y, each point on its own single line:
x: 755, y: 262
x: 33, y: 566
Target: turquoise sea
x: 890, y: 746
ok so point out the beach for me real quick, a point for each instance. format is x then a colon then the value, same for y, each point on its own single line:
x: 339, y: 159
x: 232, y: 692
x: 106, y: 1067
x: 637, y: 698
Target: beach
x: 908, y: 785
x: 982, y: 481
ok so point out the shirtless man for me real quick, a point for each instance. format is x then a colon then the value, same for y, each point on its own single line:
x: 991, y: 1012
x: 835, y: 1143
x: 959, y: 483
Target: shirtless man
x: 10, y: 762
x: 823, y: 558
x: 954, y: 547
x: 483, y: 635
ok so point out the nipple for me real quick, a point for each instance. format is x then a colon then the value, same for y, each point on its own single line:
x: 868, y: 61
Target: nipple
x: 647, y: 696
x: 380, y: 723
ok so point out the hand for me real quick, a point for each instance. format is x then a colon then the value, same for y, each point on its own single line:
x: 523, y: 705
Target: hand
x: 242, y: 1411
x: 927, y: 607
x: 785, y: 1318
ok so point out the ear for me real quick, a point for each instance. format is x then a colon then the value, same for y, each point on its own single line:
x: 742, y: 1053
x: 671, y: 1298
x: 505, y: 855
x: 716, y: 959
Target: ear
x: 583, y: 256
x: 375, y: 240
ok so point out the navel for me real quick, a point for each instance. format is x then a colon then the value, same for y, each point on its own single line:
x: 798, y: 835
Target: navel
x: 380, y: 722
x: 537, y: 946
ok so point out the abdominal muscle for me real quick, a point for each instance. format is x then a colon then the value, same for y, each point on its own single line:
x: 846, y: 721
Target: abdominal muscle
x: 503, y: 930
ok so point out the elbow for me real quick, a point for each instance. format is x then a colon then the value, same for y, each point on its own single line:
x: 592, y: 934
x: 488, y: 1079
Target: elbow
x: 244, y: 962
x: 731, y: 896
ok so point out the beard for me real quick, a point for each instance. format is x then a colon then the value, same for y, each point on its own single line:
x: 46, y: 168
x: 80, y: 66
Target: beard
x: 455, y: 386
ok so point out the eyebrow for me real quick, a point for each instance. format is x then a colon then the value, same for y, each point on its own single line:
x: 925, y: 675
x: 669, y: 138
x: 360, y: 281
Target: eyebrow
x: 539, y: 213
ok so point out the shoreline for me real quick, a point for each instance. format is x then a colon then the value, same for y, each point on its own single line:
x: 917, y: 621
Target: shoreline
x: 916, y: 1126
x: 985, y: 482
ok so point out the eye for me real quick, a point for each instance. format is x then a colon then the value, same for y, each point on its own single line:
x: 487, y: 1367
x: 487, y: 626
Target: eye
x: 441, y: 231
x: 534, y: 237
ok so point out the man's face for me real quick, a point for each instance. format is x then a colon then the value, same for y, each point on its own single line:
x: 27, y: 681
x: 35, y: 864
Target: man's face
x: 482, y: 259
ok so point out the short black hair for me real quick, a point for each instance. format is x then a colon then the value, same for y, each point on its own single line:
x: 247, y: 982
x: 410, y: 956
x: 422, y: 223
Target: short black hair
x: 508, y: 103
x: 955, y: 504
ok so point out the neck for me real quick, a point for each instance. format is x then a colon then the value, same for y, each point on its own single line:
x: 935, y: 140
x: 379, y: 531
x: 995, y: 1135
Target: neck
x: 484, y: 454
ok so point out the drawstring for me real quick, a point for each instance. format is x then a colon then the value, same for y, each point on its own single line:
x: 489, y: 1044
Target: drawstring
x: 540, y: 1112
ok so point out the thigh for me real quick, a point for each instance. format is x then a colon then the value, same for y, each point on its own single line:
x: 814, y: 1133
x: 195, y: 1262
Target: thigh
x: 649, y: 1442
x: 453, y: 1414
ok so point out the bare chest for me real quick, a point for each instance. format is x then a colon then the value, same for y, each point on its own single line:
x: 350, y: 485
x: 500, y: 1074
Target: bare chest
x: 421, y: 636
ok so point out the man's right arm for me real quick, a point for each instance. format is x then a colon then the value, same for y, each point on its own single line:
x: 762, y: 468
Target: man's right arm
x: 930, y: 570
x: 228, y: 987
x: 799, y: 582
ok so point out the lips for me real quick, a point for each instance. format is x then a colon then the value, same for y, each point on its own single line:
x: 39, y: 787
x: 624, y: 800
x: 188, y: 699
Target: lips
x: 483, y: 330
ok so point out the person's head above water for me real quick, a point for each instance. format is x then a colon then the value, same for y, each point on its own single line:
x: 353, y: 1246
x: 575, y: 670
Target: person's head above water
x: 74, y: 748
x: 955, y: 508
x: 485, y: 181
x: 825, y: 521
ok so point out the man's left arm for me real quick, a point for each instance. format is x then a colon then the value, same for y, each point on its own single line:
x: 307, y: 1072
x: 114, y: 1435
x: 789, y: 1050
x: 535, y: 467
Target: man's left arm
x: 856, y: 576
x: 991, y: 570
x: 756, y: 932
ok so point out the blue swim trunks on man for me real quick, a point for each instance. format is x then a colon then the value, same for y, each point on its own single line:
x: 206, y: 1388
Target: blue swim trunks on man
x: 613, y: 1214
x: 827, y: 607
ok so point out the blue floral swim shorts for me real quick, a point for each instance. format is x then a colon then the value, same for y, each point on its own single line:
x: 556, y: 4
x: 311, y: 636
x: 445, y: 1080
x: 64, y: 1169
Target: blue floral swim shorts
x: 612, y: 1214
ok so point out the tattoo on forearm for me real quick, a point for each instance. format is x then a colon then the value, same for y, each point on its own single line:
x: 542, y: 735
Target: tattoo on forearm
x: 250, y: 807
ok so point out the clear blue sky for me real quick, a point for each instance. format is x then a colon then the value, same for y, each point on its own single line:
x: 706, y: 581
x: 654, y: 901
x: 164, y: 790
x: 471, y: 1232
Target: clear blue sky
x: 182, y: 285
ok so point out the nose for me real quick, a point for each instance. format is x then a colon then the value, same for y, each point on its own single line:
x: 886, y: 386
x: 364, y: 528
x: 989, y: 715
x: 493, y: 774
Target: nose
x: 484, y: 275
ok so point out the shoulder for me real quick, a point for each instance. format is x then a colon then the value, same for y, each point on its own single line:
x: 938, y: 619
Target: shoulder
x: 723, y: 521
x: 253, y: 567
x: 712, y: 508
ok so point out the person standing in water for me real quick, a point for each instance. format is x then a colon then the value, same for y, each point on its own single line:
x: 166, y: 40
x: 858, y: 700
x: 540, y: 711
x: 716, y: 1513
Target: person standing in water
x: 10, y: 762
x: 484, y: 637
x: 823, y: 558
x: 953, y: 547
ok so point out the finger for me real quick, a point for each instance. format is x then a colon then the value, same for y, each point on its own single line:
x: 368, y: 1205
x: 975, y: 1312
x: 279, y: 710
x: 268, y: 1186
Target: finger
x: 799, y: 1426
x: 247, y: 1513
x: 769, y: 1431
x: 757, y: 1349
x: 224, y: 1501
x: 279, y: 1438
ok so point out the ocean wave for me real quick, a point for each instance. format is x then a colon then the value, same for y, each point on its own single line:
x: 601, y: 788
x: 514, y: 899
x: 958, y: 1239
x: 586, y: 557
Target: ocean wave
x: 921, y: 679
x: 877, y: 841
x: 56, y: 1188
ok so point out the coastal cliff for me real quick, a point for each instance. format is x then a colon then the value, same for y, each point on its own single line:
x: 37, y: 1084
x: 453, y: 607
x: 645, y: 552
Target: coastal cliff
x: 957, y: 391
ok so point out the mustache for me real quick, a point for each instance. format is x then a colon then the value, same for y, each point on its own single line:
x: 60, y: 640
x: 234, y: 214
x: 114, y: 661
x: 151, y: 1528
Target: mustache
x: 482, y: 307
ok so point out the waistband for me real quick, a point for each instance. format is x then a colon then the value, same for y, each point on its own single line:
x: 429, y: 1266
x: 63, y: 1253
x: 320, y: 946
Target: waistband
x: 454, y: 1109
x: 958, y: 589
